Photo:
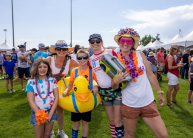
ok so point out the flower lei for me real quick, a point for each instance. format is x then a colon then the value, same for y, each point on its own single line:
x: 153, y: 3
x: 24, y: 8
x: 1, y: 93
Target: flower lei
x: 132, y: 66
x: 41, y: 117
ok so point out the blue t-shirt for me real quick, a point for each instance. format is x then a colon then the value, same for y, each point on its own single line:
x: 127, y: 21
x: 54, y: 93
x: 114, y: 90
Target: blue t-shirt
x: 9, y: 67
x: 147, y: 54
x: 14, y: 57
x: 40, y: 54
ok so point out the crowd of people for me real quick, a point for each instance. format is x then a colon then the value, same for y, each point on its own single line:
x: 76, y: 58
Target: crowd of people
x: 44, y: 69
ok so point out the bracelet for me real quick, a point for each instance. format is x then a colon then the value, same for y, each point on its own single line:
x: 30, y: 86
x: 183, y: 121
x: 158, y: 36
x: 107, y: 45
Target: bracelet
x: 160, y: 92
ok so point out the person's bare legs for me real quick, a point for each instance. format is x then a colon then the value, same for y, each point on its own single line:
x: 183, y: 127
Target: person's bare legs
x: 168, y: 94
x: 176, y: 88
x: 117, y: 115
x: 21, y: 82
x: 157, y: 126
x: 130, y: 127
x: 48, y: 129
x: 39, y: 130
x: 76, y: 125
x: 11, y: 81
x: 7, y: 84
x: 84, y: 128
x: 189, y: 95
x: 1, y: 72
x: 110, y: 114
x: 60, y: 114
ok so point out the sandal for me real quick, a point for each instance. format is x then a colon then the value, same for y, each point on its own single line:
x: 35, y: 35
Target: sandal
x: 175, y: 102
x: 190, y: 101
x: 170, y: 105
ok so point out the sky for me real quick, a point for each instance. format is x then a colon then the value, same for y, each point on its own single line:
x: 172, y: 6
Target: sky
x: 46, y: 21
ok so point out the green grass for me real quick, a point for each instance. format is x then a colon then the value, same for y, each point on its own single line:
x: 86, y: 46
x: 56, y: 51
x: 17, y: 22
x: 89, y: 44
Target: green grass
x: 15, y: 116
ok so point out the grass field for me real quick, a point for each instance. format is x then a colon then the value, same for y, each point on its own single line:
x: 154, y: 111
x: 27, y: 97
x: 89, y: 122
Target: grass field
x: 15, y: 116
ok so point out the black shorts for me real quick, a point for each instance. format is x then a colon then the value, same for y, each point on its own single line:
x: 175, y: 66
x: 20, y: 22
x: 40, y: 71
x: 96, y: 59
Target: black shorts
x: 191, y: 84
x: 0, y: 66
x: 10, y: 77
x: 21, y: 71
x: 78, y: 116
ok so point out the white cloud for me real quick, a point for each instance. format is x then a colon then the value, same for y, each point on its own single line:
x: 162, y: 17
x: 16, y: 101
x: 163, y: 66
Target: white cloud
x: 114, y: 30
x: 159, y: 18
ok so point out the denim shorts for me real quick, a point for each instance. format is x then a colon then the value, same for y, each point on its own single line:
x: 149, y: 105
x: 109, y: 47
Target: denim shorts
x: 154, y: 68
x: 116, y: 101
x: 33, y: 121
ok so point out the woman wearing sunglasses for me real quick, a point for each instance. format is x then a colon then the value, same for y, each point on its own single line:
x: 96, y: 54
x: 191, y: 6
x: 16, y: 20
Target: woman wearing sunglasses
x: 137, y: 96
x: 111, y: 99
x: 60, y: 50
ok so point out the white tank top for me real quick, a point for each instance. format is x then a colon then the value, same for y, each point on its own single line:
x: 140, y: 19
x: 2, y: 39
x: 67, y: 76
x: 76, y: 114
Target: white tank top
x: 139, y: 93
x: 56, y: 70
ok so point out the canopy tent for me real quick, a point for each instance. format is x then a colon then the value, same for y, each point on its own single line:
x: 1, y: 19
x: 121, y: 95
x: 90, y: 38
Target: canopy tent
x: 6, y: 47
x: 172, y: 41
x: 155, y: 43
x: 140, y: 48
x: 147, y: 46
x: 186, y: 41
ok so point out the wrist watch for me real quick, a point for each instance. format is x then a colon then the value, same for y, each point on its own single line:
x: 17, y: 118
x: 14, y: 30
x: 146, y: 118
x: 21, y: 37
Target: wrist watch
x: 160, y: 92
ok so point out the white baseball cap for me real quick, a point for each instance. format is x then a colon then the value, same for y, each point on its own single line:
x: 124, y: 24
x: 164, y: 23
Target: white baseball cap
x: 41, y: 45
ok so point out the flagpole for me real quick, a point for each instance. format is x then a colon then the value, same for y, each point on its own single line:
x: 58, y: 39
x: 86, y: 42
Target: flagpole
x: 71, y: 24
x: 12, y: 23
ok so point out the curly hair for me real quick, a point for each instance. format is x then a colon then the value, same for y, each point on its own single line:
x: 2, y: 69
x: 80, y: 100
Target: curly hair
x: 37, y: 62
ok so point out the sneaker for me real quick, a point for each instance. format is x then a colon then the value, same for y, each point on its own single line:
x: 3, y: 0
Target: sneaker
x: 52, y: 134
x: 0, y: 77
x: 62, y: 134
x: 22, y: 89
x: 12, y: 90
x: 8, y: 91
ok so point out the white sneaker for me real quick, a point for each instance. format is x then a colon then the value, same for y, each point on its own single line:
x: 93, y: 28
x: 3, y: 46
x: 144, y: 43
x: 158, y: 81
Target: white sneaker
x: 52, y: 134
x: 62, y: 134
x: 22, y: 89
x: 0, y: 77
x: 12, y: 90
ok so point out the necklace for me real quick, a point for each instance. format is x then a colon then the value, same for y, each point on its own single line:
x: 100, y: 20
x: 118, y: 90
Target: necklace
x: 132, y: 65
x: 37, y: 88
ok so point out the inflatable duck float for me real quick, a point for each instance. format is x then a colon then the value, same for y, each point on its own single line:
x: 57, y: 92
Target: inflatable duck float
x: 82, y: 99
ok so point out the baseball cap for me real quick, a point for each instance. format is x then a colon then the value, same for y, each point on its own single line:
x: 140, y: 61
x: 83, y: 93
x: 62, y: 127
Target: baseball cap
x: 188, y: 49
x: 95, y: 36
x: 13, y: 48
x: 34, y: 49
x: 21, y: 46
x: 41, y: 45
x: 149, y: 48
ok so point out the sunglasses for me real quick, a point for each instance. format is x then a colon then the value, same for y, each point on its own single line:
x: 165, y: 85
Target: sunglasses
x: 63, y: 49
x: 82, y: 57
x: 129, y: 42
x: 93, y: 41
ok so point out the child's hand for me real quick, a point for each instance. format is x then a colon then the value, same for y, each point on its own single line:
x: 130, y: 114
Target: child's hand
x: 95, y: 89
x: 49, y: 118
x: 4, y: 72
x: 65, y: 93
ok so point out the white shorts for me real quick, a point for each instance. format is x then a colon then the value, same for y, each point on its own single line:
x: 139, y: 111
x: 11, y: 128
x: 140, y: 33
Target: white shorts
x: 173, y: 79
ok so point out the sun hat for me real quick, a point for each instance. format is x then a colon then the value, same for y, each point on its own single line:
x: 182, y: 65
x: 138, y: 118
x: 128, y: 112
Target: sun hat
x: 61, y: 44
x: 95, y: 36
x: 41, y: 45
x: 128, y: 32
x: 174, y: 46
x: 150, y: 54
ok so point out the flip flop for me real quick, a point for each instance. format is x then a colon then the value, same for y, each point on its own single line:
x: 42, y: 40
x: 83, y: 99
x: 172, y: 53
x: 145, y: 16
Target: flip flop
x: 170, y: 105
x: 175, y: 102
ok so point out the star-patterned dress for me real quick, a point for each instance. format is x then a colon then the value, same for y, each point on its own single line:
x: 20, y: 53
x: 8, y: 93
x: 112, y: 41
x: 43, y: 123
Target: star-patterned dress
x: 43, y: 104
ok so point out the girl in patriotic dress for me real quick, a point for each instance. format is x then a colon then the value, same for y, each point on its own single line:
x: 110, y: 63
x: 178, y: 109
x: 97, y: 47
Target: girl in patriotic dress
x: 42, y: 94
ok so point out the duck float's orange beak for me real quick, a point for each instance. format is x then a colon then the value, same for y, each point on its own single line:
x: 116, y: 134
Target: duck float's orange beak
x: 83, y: 97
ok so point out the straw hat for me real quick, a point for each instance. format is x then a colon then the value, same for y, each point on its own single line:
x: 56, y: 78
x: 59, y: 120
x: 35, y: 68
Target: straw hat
x: 150, y: 54
x: 128, y: 32
x: 62, y: 44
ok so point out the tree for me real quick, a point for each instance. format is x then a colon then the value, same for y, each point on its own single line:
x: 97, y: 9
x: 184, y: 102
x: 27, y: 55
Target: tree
x: 146, y: 39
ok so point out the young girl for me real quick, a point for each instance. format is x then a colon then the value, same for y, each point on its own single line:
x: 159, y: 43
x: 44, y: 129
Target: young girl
x: 42, y: 94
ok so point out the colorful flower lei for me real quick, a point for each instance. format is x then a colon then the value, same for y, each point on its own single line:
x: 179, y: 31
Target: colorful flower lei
x: 132, y: 66
x: 41, y: 117
x: 128, y: 31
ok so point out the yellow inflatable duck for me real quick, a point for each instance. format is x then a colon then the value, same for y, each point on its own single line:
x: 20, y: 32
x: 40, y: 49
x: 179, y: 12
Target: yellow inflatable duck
x: 82, y: 99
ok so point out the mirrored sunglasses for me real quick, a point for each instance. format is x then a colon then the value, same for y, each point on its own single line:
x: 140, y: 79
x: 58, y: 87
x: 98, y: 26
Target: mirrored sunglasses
x: 129, y: 42
x: 82, y: 57
x: 93, y: 41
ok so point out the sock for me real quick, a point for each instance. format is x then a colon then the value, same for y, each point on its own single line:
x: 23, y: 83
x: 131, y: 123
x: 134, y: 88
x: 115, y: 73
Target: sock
x: 84, y: 137
x: 112, y: 128
x: 119, y: 132
x: 74, y: 133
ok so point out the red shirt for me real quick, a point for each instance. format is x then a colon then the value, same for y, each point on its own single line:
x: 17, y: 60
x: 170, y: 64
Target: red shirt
x: 160, y: 56
x: 174, y: 71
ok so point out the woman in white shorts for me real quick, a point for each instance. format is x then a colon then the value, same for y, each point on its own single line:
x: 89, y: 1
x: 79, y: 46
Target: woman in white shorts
x: 172, y: 74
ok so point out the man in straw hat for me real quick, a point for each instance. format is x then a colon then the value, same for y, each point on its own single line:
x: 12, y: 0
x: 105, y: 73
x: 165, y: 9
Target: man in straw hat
x: 41, y: 52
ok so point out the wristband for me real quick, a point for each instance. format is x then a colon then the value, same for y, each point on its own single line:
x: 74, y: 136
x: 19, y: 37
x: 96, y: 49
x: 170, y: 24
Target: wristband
x: 160, y: 92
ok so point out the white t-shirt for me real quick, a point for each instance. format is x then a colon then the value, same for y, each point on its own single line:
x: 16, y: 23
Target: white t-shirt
x: 43, y: 104
x: 103, y: 79
x: 22, y: 64
x: 73, y: 55
x: 139, y: 93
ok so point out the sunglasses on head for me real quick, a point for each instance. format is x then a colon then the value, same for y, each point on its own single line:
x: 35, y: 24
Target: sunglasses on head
x: 63, y: 49
x: 129, y: 42
x: 93, y: 41
x: 82, y: 57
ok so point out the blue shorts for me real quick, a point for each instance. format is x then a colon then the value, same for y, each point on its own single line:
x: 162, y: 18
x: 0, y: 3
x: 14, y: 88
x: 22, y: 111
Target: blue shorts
x: 33, y: 121
x: 153, y: 67
x: 191, y: 84
x: 116, y: 101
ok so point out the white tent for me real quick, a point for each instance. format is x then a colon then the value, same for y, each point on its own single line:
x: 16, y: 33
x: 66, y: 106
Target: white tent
x: 168, y: 45
x: 140, y: 48
x: 147, y: 46
x: 5, y: 47
x: 186, y: 41
x: 155, y: 43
